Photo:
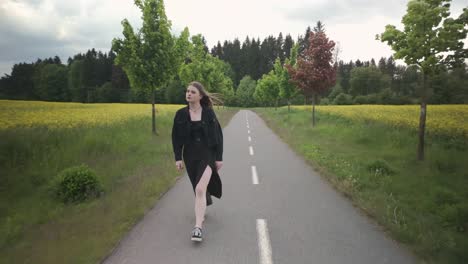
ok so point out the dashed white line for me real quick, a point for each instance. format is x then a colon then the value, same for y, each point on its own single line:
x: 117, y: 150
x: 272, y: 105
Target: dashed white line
x: 264, y: 246
x: 251, y: 151
x: 250, y: 139
x: 254, y: 175
x: 248, y: 131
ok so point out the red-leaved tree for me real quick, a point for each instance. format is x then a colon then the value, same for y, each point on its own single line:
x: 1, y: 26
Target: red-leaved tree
x: 314, y: 72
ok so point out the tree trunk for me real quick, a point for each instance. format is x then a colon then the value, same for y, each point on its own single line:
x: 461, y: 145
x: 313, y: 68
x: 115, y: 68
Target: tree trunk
x: 153, y: 110
x: 313, y: 111
x: 422, y: 122
x: 422, y: 127
x: 289, y: 106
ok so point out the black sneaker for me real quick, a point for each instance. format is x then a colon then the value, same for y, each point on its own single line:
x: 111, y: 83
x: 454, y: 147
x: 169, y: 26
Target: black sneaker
x: 197, y: 234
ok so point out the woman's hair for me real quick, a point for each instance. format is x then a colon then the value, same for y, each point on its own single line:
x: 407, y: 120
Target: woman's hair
x: 207, y: 98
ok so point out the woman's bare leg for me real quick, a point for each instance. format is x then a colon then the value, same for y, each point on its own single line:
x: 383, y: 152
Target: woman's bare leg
x: 200, y: 197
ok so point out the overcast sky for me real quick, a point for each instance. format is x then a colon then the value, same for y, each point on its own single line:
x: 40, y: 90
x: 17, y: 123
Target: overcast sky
x: 32, y: 29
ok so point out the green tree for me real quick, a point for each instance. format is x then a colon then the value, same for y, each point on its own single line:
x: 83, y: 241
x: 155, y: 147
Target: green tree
x: 147, y: 56
x: 429, y: 40
x: 183, y: 48
x: 320, y: 27
x: 52, y: 83
x: 245, y: 91
x: 76, y: 81
x: 367, y: 80
x: 287, y: 89
x: 175, y: 92
x: 106, y: 94
x: 267, y: 90
x: 208, y: 70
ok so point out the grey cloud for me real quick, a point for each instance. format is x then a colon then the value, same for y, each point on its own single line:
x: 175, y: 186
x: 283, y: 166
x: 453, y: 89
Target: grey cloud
x: 354, y: 11
x: 349, y: 11
x: 21, y: 43
x: 34, y: 3
x: 67, y: 8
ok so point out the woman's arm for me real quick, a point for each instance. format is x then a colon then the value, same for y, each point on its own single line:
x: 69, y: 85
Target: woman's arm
x: 176, y: 145
x: 219, y: 146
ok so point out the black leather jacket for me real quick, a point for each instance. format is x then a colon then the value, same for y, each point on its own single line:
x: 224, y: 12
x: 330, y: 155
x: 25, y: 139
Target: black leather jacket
x: 212, y: 131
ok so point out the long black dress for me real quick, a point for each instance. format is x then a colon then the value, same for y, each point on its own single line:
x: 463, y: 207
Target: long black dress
x: 197, y: 155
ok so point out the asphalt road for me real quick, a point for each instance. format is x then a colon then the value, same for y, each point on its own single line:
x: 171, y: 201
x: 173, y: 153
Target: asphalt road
x: 274, y: 209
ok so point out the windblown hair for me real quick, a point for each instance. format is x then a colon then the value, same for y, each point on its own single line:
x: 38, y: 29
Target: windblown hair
x: 208, y: 99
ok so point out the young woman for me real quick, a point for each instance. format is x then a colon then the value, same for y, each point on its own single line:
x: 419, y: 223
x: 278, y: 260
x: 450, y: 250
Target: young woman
x: 197, y: 132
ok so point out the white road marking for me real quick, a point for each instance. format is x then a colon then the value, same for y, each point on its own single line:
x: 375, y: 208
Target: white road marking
x: 251, y: 151
x: 254, y: 175
x: 250, y: 139
x: 248, y: 131
x: 264, y: 246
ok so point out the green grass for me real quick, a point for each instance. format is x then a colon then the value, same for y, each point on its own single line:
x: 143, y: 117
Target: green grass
x: 134, y: 167
x: 421, y: 204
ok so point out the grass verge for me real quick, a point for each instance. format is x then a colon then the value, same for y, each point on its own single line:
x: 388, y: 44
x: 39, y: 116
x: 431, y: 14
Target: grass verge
x: 421, y: 204
x: 134, y: 166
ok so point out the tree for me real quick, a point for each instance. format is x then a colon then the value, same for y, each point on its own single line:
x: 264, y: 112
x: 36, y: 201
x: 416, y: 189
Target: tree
x: 20, y: 82
x: 287, y: 89
x: 208, y: 70
x: 76, y: 81
x: 267, y: 90
x: 245, y: 91
x: 320, y: 27
x: 304, y: 41
x: 430, y: 39
x: 120, y: 83
x: 52, y: 83
x: 315, y: 72
x: 288, y: 45
x: 147, y: 56
x: 175, y: 92
x: 367, y: 80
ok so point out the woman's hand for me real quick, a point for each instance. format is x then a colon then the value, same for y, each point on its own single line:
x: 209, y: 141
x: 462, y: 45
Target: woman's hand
x: 179, y: 165
x: 219, y: 164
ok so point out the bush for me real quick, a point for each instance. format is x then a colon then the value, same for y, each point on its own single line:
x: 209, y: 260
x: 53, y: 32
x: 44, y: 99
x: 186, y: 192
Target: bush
x: 343, y: 99
x: 451, y: 209
x: 372, y: 98
x: 380, y: 167
x: 325, y: 101
x: 386, y: 96
x: 76, y: 184
x: 335, y: 91
x: 403, y: 100
x: 360, y: 99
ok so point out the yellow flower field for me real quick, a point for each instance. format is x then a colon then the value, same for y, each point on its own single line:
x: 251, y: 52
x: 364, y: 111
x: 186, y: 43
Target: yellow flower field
x: 68, y: 115
x: 449, y: 120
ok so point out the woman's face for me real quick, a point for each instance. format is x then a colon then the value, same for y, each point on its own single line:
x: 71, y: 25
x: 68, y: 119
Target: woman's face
x: 192, y: 95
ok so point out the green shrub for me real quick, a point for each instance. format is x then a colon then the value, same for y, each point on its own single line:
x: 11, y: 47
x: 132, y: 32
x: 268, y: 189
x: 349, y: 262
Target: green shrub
x: 445, y: 196
x: 325, y: 101
x: 343, y: 99
x: 76, y: 184
x: 380, y: 167
x: 360, y: 99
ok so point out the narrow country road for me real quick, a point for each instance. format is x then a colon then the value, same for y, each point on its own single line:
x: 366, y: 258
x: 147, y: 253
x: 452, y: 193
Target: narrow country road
x: 274, y: 209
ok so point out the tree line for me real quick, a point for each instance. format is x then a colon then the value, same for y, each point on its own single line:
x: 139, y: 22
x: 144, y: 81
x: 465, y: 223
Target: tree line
x: 93, y: 77
x: 236, y: 69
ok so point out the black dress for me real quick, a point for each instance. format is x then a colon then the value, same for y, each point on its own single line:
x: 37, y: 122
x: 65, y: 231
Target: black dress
x: 197, y: 155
